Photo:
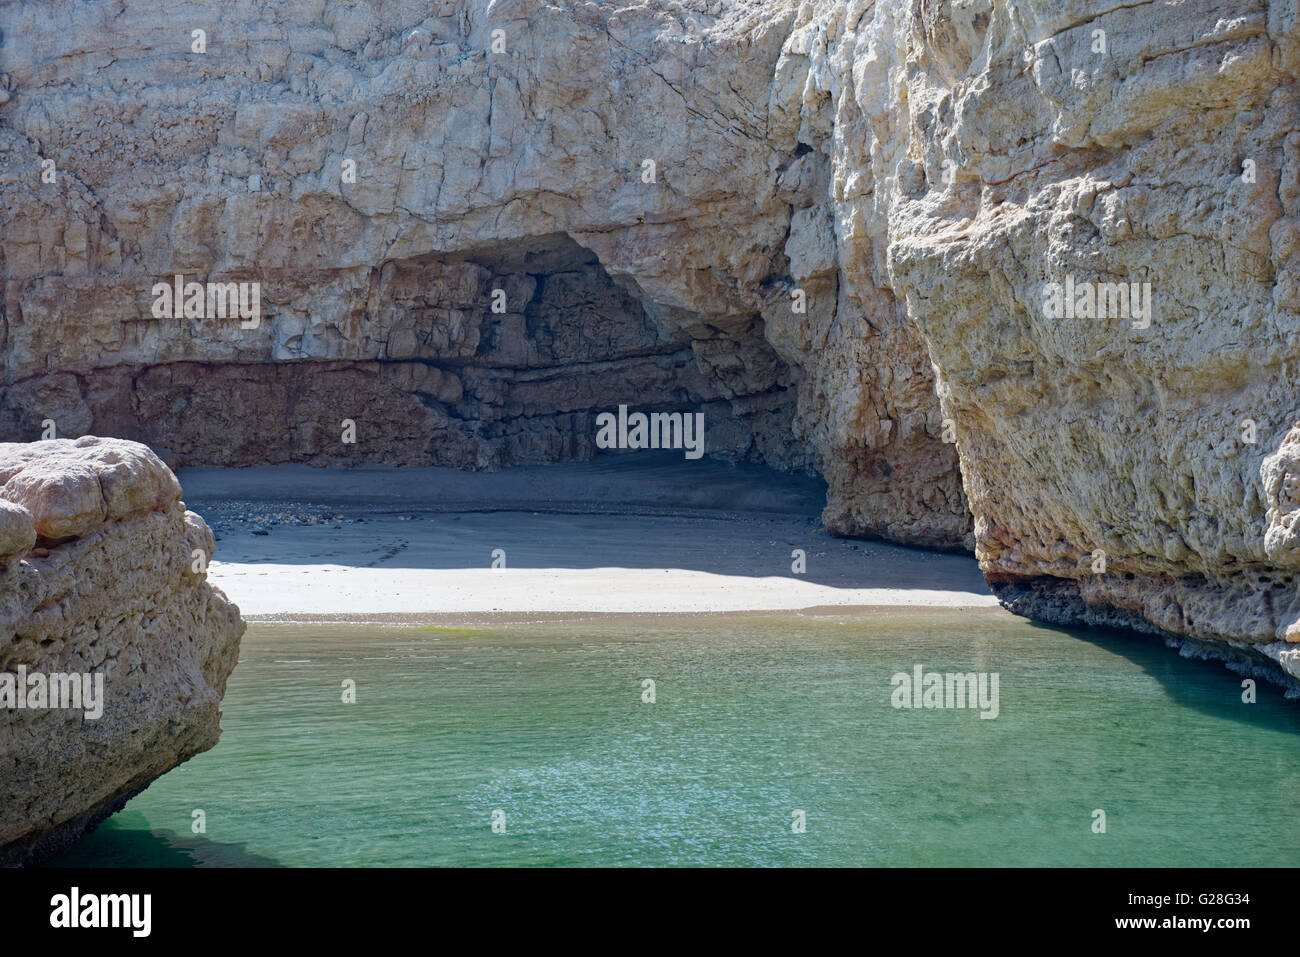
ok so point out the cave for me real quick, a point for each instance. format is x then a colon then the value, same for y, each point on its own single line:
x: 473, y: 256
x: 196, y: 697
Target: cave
x: 498, y: 357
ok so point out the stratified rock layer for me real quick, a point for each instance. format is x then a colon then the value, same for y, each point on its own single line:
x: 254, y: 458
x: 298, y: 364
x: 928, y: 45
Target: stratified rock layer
x: 808, y: 218
x: 102, y: 572
x: 524, y: 171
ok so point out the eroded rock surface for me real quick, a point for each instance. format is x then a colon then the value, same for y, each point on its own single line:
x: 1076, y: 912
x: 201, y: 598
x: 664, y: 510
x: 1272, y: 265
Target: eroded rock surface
x: 915, y: 174
x: 1116, y: 459
x: 98, y: 560
x: 521, y: 170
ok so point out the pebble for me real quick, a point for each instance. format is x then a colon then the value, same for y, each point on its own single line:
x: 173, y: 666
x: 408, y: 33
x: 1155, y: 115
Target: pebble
x: 232, y: 517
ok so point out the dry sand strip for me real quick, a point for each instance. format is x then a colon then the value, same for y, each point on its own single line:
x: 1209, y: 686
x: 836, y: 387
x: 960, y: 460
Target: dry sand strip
x: 616, y: 536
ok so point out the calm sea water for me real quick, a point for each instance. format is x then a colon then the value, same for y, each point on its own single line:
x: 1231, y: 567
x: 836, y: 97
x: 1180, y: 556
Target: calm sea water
x: 754, y: 718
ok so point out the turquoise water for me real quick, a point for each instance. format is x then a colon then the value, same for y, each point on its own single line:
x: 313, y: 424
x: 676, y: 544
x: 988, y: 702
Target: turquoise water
x: 755, y: 717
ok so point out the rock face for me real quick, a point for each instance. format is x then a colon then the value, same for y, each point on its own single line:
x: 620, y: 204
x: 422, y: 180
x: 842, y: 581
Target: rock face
x: 1119, y: 459
x: 98, y: 581
x: 380, y: 170
x: 807, y: 218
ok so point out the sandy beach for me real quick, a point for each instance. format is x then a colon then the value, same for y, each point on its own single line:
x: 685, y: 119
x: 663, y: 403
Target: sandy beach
x: 649, y: 535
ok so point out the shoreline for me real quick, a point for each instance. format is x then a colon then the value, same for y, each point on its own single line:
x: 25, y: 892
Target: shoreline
x: 494, y: 619
x: 618, y: 536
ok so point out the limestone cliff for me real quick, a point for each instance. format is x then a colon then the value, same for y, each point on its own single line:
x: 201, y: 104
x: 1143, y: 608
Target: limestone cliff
x: 381, y: 170
x: 807, y: 218
x: 103, y: 578
x: 1124, y: 464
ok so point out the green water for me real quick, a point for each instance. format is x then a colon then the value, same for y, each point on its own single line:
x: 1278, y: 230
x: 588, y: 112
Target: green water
x: 755, y: 717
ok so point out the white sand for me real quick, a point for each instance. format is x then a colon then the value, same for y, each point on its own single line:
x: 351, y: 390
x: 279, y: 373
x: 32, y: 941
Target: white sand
x: 620, y: 536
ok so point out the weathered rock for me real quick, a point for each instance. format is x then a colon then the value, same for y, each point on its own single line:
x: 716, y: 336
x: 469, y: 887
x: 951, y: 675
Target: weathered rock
x: 475, y: 170
x: 117, y: 596
x: 852, y: 205
x: 1112, y: 458
x: 70, y: 488
x: 17, y: 530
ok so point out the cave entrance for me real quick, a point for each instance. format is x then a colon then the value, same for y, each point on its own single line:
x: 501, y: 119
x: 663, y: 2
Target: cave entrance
x: 540, y: 341
x: 501, y: 356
